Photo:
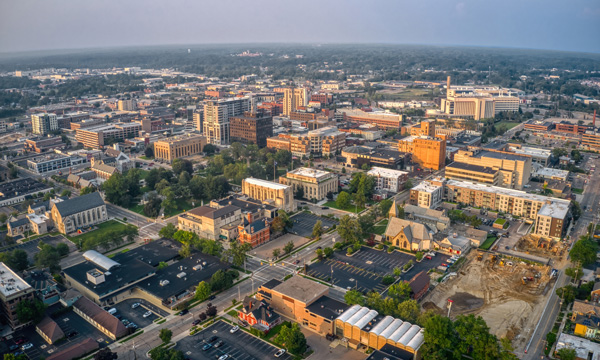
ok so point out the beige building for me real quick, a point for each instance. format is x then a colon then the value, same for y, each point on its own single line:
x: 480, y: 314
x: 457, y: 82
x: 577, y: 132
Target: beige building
x: 13, y: 290
x: 427, y: 194
x: 127, y: 105
x: 514, y: 170
x: 215, y: 125
x: 315, y: 183
x: 207, y: 222
x: 281, y: 196
x: 43, y: 123
x: 179, y: 146
x: 326, y: 141
x: 478, y: 102
x: 80, y: 212
x: 96, y: 137
x: 469, y: 172
x: 294, y: 98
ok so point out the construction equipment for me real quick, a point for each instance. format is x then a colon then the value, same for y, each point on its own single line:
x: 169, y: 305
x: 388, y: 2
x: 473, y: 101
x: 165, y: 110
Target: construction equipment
x: 479, y: 256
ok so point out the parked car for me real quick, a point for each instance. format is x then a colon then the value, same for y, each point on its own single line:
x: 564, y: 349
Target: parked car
x: 212, y: 297
x: 212, y: 339
x: 183, y: 312
x: 325, y: 208
x: 72, y: 334
x: 196, y: 322
x: 119, y: 316
x: 13, y: 347
x: 234, y: 329
x: 224, y: 357
x: 133, y: 306
x: 147, y: 313
x: 132, y: 325
x: 219, y: 343
x: 27, y: 346
x: 280, y: 353
x: 206, y: 346
x: 428, y: 257
x: 20, y: 340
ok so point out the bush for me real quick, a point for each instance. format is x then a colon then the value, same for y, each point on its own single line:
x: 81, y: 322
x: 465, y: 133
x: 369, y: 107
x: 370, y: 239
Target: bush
x: 388, y: 280
x: 391, y: 249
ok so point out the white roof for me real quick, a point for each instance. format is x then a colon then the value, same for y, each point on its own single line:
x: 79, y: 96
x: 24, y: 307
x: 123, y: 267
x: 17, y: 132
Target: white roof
x: 365, y: 319
x: 400, y: 331
x: 309, y: 172
x: 100, y: 260
x: 265, y: 183
x: 382, y: 325
x: 583, y: 347
x: 426, y: 186
x: 549, y: 172
x: 359, y: 315
x: 391, y: 328
x: 10, y: 282
x: 349, y: 313
x: 387, y: 173
x: 410, y: 334
x: 416, y: 341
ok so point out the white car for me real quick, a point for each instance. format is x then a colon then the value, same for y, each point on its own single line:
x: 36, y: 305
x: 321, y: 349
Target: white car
x: 147, y: 313
x: 27, y: 346
x: 224, y: 357
x: 280, y: 353
x: 234, y: 329
x: 135, y: 305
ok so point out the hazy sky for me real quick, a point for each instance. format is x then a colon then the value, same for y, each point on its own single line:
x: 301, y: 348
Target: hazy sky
x: 61, y: 24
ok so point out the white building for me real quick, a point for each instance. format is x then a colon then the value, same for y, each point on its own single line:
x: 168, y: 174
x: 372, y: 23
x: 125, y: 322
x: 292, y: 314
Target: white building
x: 44, y: 123
x: 388, y: 179
x: 427, y: 195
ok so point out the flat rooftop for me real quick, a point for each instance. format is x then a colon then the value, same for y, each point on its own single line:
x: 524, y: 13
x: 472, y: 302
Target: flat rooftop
x: 426, y: 186
x: 312, y: 173
x: 471, y: 167
x: 388, y: 173
x: 21, y: 187
x: 265, y: 183
x: 549, y: 172
x: 301, y: 289
x: 327, y: 307
x: 502, y: 155
x: 10, y: 282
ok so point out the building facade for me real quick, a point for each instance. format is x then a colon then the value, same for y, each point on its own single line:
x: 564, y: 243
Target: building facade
x: 279, y: 195
x: 217, y: 114
x: 13, y: 290
x: 80, y: 212
x: 207, y: 222
x: 315, y: 183
x: 44, y: 123
x: 252, y: 128
x: 96, y: 137
x: 427, y: 195
x: 294, y: 98
x: 388, y: 179
x: 179, y: 146
x: 468, y: 172
x: 427, y: 152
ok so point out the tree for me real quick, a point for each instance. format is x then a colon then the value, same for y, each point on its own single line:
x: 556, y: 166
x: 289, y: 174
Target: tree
x: 575, y: 210
x: 408, y: 184
x: 575, y: 273
x: 152, y: 205
x: 287, y: 248
x: 343, y: 200
x: 292, y: 338
x: 105, y: 354
x: 299, y: 194
x: 400, y: 291
x: 162, y: 353
x: 401, y: 213
x: 439, y: 338
x: 327, y: 252
x: 185, y: 251
x: 384, y: 207
x: 220, y: 280
x: 168, y: 231
x: 169, y: 203
x: 87, y: 190
x: 180, y: 165
x: 149, y: 152
x: 354, y: 297
x: 349, y: 229
x: 47, y: 257
x: 584, y: 251
x: 276, y: 253
x: 30, y: 310
x: 62, y: 249
x: 3, y: 218
x: 17, y: 260
x: 202, y: 291
x: 408, y: 310
x: 66, y: 193
x: 161, y: 265
x: 567, y: 293
x: 277, y: 225
x: 359, y: 199
x: 317, y: 230
x: 567, y: 354
x: 211, y: 311
x: 165, y: 335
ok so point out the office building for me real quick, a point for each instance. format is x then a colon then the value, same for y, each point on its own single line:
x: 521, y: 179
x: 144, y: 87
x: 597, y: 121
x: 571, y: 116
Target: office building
x: 44, y: 144
x: 388, y: 179
x: 44, y: 123
x: 293, y: 98
x: 97, y: 137
x: 551, y: 215
x: 326, y: 141
x: 428, y: 194
x: 127, y: 105
x: 424, y: 128
x: 514, y: 169
x: 176, y: 147
x: 538, y: 125
x: 426, y: 151
x: 571, y: 128
x: 591, y: 140
x: 198, y: 120
x: 538, y: 155
x: 13, y: 290
x: 79, y: 212
x: 279, y: 142
x: 251, y: 128
x: 278, y: 195
x: 315, y: 183
x: 475, y: 173
x: 383, y: 120
x: 217, y: 114
x: 207, y: 221
x: 53, y: 162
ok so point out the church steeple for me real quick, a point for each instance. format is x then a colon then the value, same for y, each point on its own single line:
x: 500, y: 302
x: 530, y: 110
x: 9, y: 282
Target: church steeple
x: 393, y: 210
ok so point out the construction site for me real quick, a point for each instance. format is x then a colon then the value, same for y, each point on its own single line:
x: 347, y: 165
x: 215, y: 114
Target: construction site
x: 541, y: 246
x: 508, y: 294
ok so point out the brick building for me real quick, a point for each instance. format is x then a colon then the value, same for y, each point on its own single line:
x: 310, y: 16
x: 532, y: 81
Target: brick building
x: 251, y: 128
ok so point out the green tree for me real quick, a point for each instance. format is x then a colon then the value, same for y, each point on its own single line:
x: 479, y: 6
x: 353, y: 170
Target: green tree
x: 384, y: 207
x: 186, y: 237
x: 165, y: 335
x: 276, y: 253
x: 584, y: 251
x: 87, y: 190
x: 299, y: 193
x: 202, y: 291
x: 400, y: 291
x: 220, y: 280
x: 576, y: 273
x: 354, y: 297
x: 30, y: 310
x: 66, y: 193
x: 287, y: 248
x: 317, y: 230
x: 180, y: 165
x: 349, y: 229
x: 439, y: 338
x: 47, y: 257
x: 161, y: 265
x: 292, y: 338
x: 408, y: 310
x: 169, y: 203
x: 277, y: 226
x: 567, y: 293
x: 359, y: 199
x: 168, y: 231
x: 343, y: 200
x: 575, y: 210
x: 149, y: 152
x: 327, y: 252
x: 401, y: 213
x: 567, y: 354
x: 62, y: 249
x: 162, y: 353
x: 3, y: 218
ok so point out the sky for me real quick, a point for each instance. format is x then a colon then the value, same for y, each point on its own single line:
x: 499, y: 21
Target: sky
x: 571, y: 25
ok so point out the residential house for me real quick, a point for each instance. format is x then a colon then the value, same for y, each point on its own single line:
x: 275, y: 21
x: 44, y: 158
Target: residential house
x: 258, y: 314
x: 454, y: 244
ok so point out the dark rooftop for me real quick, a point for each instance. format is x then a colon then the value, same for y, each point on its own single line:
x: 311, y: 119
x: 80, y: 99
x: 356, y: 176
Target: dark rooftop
x: 152, y: 253
x: 327, y: 307
x: 471, y: 167
x: 21, y: 187
x: 79, y: 204
x: 387, y: 153
x: 503, y: 155
x: 212, y: 213
x: 248, y: 205
x: 390, y: 352
x: 271, y: 284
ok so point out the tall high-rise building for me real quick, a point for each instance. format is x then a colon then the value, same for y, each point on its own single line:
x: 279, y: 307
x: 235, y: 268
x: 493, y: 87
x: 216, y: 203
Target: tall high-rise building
x: 252, y: 128
x: 294, y: 98
x: 216, y: 118
x: 44, y: 123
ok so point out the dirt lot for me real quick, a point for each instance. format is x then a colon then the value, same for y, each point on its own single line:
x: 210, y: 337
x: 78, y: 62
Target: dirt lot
x: 497, y: 294
x: 539, y: 246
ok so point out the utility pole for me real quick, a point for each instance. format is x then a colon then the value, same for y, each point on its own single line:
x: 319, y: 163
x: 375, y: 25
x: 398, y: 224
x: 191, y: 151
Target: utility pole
x: 450, y: 301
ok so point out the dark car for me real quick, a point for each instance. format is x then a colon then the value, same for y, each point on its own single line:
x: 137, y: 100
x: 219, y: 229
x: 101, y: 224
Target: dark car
x: 183, y: 312
x: 206, y: 346
x: 212, y: 297
x: 325, y: 208
x: 13, y: 347
x: 196, y: 322
x: 72, y: 333
x: 212, y: 339
x: 20, y: 340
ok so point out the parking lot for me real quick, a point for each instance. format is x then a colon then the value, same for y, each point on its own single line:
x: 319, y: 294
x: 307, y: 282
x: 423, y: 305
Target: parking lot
x: 239, y: 345
x: 365, y: 270
x: 137, y: 315
x: 303, y: 223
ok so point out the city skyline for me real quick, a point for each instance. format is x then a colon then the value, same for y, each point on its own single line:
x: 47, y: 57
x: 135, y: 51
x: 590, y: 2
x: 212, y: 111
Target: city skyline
x: 67, y: 24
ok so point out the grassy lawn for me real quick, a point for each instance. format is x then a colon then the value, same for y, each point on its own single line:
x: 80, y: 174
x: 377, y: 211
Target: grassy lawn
x: 487, y: 244
x: 102, y: 228
x: 143, y: 174
x: 144, y: 157
x: 577, y: 191
x: 182, y: 205
x: 379, y: 228
x: 509, y: 125
x: 350, y: 208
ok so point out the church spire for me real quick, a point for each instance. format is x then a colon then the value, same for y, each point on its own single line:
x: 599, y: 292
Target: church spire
x: 393, y: 210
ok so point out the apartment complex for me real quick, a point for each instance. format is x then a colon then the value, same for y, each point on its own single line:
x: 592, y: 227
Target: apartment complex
x: 325, y: 141
x: 428, y: 152
x: 383, y: 120
x: 424, y: 128
x: 127, y: 105
x: 77, y: 213
x: 279, y: 142
x: 13, y: 290
x: 293, y: 98
x: 44, y: 123
x: 551, y: 215
x: 428, y: 194
x: 388, y: 179
x: 207, y: 222
x: 278, y: 195
x: 217, y: 114
x: 591, y: 140
x: 514, y: 170
x: 475, y: 173
x: 315, y: 183
x: 179, y: 146
x: 251, y: 128
x: 96, y: 137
